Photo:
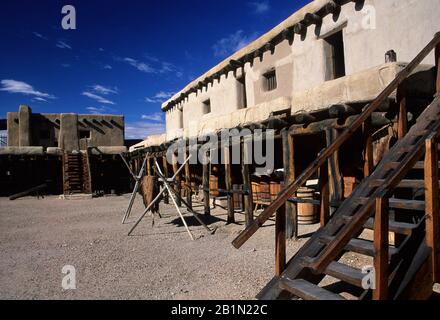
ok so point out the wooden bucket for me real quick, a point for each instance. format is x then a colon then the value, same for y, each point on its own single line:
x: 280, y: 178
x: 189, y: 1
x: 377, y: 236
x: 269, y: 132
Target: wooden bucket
x: 307, y: 212
x: 213, y: 186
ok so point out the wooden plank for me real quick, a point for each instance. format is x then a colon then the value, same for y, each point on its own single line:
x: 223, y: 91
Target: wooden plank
x: 289, y: 177
x: 416, y: 205
x: 205, y: 183
x: 345, y: 273
x: 394, y: 226
x: 248, y: 204
x: 313, y: 167
x: 28, y: 192
x: 381, y: 247
x: 228, y: 180
x: 404, y: 184
x: 306, y: 290
x: 280, y: 241
x: 188, y: 182
x: 432, y: 204
x: 361, y: 246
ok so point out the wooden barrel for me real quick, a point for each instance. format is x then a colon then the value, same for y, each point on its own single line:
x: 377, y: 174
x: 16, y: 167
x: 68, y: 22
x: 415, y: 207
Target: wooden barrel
x: 213, y: 186
x: 307, y: 212
x: 255, y: 189
x: 264, y: 192
x: 275, y: 189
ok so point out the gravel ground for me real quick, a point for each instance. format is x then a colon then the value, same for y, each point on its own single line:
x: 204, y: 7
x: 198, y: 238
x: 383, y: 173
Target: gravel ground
x: 39, y: 237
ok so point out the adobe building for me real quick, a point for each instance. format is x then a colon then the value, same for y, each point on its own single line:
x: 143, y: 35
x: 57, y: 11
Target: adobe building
x: 350, y: 88
x: 78, y: 152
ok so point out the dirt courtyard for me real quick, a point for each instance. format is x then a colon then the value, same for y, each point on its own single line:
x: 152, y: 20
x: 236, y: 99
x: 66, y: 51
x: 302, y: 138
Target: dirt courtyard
x: 39, y: 237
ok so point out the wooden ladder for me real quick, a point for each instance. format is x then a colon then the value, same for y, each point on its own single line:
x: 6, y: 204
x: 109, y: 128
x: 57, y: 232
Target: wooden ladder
x: 396, y: 268
x: 367, y: 208
x: 76, y: 173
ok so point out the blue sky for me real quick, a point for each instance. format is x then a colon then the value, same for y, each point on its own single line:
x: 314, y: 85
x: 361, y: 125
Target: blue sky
x: 125, y: 57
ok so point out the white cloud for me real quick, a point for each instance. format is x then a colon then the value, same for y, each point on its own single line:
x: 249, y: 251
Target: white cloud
x: 159, y: 97
x: 259, y: 7
x: 107, y: 67
x: 105, y: 90
x: 141, y: 66
x: 40, y: 99
x: 97, y: 98
x: 100, y: 110
x: 39, y: 35
x: 157, y: 117
x: 13, y: 86
x: 232, y: 43
x: 141, y: 130
x: 63, y: 45
x: 65, y: 65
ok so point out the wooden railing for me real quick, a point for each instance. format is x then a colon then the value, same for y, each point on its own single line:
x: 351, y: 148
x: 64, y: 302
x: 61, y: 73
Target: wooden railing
x: 279, y: 204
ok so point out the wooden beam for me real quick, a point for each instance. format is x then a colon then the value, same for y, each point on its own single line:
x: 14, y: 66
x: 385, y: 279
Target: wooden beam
x: 324, y: 194
x: 178, y: 180
x: 289, y: 176
x: 248, y: 198
x: 402, y: 124
x: 280, y: 241
x: 312, y: 18
x: 336, y: 184
x: 228, y: 180
x: 205, y: 183
x: 148, y: 166
x: 437, y: 64
x: 166, y: 198
x: 368, y: 147
x: 432, y: 204
x: 381, y: 247
x: 188, y: 183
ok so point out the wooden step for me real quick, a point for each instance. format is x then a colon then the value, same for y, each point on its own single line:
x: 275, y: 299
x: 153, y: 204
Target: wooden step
x: 404, y: 184
x: 345, y: 273
x: 394, y: 226
x: 360, y: 246
x: 394, y: 203
x: 421, y: 165
x: 306, y: 290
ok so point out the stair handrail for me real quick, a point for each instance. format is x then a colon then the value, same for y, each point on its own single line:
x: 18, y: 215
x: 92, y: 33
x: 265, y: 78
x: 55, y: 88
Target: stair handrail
x: 289, y: 190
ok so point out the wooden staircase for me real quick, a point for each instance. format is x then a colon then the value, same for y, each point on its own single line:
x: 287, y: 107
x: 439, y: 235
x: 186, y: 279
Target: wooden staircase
x: 76, y: 174
x: 393, y: 199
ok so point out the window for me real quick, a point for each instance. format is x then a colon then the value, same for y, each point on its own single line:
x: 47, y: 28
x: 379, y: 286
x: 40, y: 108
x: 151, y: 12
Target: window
x: 270, y: 80
x: 84, y: 134
x: 44, y: 134
x: 206, y: 107
x: 242, y: 96
x: 334, y: 51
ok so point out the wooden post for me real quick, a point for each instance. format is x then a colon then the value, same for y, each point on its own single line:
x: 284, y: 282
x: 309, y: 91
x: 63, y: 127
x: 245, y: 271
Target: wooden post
x: 325, y: 195
x: 381, y: 248
x: 228, y: 177
x: 188, y: 183
x: 432, y: 204
x: 335, y: 177
x: 178, y: 180
x: 368, y: 147
x: 148, y: 166
x: 289, y: 177
x: 247, y: 186
x: 205, y: 182
x: 437, y: 64
x: 166, y: 198
x: 402, y: 125
x: 280, y: 241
